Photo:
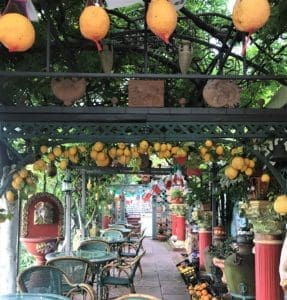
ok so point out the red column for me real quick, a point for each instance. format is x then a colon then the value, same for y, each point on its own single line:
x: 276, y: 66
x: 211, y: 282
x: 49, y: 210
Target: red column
x: 204, y: 240
x: 180, y: 228
x: 173, y: 224
x: 267, y: 257
x: 105, y: 222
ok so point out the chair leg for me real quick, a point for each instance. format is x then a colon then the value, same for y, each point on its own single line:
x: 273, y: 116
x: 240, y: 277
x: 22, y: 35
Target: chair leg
x: 132, y: 288
x: 141, y: 270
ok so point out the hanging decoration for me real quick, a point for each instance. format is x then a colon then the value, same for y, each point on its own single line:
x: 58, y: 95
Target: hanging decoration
x: 249, y: 16
x: 17, y: 33
x: 161, y: 18
x: 94, y: 24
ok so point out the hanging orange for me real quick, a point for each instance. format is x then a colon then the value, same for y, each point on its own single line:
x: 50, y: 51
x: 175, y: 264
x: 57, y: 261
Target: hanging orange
x: 16, y: 32
x: 94, y: 24
x: 250, y: 15
x: 161, y: 18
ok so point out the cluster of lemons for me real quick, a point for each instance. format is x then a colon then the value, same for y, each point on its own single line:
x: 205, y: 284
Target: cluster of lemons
x: 207, y: 150
x: 200, y: 291
x: 239, y: 164
x: 20, y: 179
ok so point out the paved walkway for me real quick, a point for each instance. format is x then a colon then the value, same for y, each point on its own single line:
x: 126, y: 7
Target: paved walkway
x: 160, y: 275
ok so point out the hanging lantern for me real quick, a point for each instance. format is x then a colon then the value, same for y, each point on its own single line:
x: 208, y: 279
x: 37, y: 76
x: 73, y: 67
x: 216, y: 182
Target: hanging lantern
x: 94, y: 24
x: 17, y: 33
x: 250, y: 15
x: 161, y: 18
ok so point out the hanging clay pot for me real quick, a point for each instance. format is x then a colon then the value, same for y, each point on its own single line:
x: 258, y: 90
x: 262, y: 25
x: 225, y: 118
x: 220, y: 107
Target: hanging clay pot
x: 107, y: 58
x: 68, y: 90
x: 221, y: 93
x: 184, y: 55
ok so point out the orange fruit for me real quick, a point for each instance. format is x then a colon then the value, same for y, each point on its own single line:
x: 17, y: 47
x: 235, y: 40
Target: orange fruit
x: 265, y: 178
x: 237, y: 162
x: 219, y: 150
x: 208, y: 143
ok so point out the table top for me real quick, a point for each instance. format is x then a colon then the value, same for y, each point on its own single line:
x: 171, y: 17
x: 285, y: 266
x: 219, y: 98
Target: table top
x: 29, y: 296
x: 122, y: 229
x: 93, y: 256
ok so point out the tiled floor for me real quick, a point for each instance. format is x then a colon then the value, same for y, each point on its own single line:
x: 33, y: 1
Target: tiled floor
x: 160, y: 276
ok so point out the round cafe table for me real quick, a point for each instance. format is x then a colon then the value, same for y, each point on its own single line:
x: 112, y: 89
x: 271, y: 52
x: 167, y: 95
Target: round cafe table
x: 29, y: 296
x: 137, y: 297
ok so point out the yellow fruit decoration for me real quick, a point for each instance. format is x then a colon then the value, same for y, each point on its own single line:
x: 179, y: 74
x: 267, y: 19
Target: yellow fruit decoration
x: 265, y: 178
x: 94, y: 24
x: 237, y: 162
x: 249, y: 171
x: 208, y: 143
x: 230, y: 172
x: 10, y: 196
x: 57, y: 151
x: 280, y: 205
x: 23, y: 173
x: 161, y: 18
x: 63, y: 164
x: 144, y: 145
x: 16, y: 32
x: 98, y: 146
x: 44, y: 149
x: 250, y: 15
x: 219, y: 150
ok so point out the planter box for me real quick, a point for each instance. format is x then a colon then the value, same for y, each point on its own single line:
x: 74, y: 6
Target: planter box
x: 146, y: 93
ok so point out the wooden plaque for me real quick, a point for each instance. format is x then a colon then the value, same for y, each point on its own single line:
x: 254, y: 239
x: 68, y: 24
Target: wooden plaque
x: 146, y: 93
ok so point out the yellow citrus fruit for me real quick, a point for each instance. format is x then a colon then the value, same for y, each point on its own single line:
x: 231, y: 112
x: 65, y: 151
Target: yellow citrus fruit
x: 127, y: 152
x: 207, y: 157
x: 51, y: 156
x: 156, y: 147
x: 10, y: 196
x: 237, y: 162
x: 23, y: 173
x: 163, y: 147
x: 251, y: 163
x: 63, y: 164
x: 203, y: 150
x: 101, y: 156
x: 265, y: 178
x: 219, y: 150
x: 93, y: 154
x: 73, y: 150
x: 121, y: 145
x: 208, y: 143
x: 57, y: 151
x: 247, y: 161
x: 120, y: 152
x: 144, y: 145
x: 174, y: 149
x: 230, y: 172
x: 82, y: 149
x: 44, y: 149
x: 74, y: 159
x: 16, y: 186
x: 280, y: 205
x: 113, y: 152
x: 249, y: 171
x: 168, y: 146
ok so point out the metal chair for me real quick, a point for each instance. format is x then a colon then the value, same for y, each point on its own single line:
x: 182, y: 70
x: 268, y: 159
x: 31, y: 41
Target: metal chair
x: 130, y: 250
x: 112, y: 234
x: 137, y: 297
x: 134, y: 236
x: 78, y: 269
x: 111, y: 275
x: 51, y: 280
x: 91, y: 245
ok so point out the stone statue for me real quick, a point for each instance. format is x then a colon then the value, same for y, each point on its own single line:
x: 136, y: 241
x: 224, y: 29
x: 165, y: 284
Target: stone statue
x: 43, y: 213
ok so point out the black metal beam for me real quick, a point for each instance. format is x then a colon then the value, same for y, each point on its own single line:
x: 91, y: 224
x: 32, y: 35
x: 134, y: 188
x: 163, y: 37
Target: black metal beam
x: 35, y: 74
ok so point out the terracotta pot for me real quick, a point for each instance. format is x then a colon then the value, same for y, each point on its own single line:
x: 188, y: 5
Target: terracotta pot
x: 40, y: 247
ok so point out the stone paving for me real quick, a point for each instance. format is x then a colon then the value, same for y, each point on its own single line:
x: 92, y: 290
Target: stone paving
x: 160, y: 276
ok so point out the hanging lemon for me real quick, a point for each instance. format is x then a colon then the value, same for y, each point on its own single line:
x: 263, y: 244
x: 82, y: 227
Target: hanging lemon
x: 161, y: 18
x: 16, y: 32
x: 10, y: 196
x: 280, y: 205
x: 265, y: 178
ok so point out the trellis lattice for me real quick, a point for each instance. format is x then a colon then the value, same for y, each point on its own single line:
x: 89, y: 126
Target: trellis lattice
x: 135, y: 131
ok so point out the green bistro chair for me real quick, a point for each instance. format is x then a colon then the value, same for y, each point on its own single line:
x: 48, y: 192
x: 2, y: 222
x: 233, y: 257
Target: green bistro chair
x: 51, y: 280
x: 131, y: 250
x: 112, y: 234
x: 78, y: 269
x: 97, y: 245
x: 111, y: 275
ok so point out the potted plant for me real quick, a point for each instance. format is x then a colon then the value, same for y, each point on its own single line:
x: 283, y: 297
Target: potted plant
x: 177, y: 195
x: 192, y: 165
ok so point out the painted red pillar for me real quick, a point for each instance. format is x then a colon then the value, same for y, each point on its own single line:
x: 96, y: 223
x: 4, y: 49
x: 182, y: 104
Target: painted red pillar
x: 173, y: 224
x: 105, y: 222
x: 204, y: 240
x: 267, y: 258
x: 180, y: 228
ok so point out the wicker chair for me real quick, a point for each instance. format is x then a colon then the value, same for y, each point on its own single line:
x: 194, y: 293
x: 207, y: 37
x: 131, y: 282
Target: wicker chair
x: 51, y: 280
x: 78, y: 269
x: 91, y: 245
x: 137, y: 297
x: 130, y: 250
x: 111, y: 275
x: 134, y: 237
